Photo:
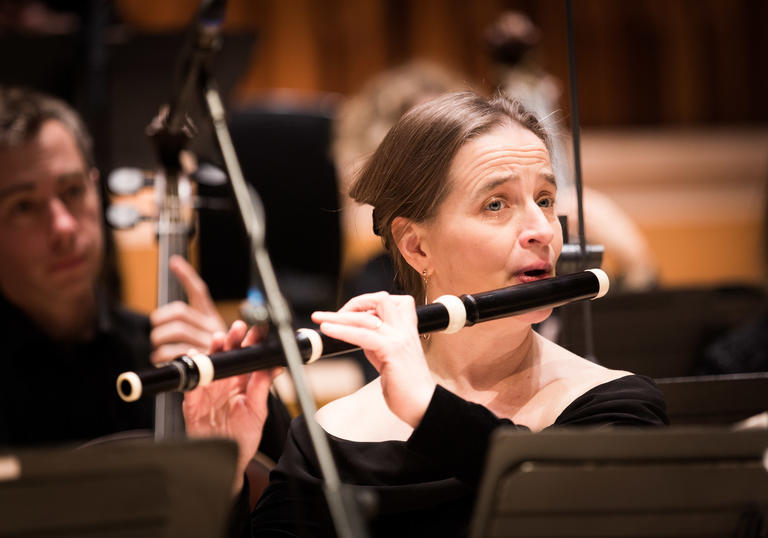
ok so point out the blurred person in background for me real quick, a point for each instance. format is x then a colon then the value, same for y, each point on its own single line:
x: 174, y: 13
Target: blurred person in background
x: 511, y: 42
x: 66, y: 338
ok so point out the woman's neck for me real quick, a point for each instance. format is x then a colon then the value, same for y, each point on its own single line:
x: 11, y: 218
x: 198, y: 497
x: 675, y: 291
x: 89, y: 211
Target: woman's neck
x: 479, y: 358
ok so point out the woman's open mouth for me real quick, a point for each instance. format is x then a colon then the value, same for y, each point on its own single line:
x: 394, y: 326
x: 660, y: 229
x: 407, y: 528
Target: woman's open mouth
x: 534, y: 274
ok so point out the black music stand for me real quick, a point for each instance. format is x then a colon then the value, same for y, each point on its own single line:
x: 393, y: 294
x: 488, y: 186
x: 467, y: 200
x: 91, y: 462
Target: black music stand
x: 714, y: 399
x: 130, y: 489
x: 629, y: 483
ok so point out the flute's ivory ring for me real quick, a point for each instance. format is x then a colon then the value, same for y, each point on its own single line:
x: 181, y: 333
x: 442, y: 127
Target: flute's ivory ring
x: 129, y: 386
x: 457, y: 313
x: 205, y: 368
x: 315, y: 342
x: 378, y: 325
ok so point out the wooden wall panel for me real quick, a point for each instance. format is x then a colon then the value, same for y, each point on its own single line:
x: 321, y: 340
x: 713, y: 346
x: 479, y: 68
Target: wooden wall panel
x: 698, y: 64
x: 641, y: 62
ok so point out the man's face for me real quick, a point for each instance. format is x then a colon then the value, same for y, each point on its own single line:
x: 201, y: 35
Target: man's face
x: 51, y: 238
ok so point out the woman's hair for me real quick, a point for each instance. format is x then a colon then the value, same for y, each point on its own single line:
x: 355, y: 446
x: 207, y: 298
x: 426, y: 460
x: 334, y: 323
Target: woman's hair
x: 407, y: 176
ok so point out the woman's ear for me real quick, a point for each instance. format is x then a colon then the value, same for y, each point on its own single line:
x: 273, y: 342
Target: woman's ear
x: 409, y: 238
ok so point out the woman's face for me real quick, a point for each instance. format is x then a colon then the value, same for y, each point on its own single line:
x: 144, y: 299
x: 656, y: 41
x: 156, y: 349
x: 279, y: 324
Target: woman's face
x: 497, y: 226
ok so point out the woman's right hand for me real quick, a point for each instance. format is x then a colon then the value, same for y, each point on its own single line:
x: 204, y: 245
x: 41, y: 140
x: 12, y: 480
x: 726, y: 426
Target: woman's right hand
x: 385, y: 327
x: 233, y: 407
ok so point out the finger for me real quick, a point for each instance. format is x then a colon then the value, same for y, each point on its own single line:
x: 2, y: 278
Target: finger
x: 218, y: 340
x: 365, y: 338
x: 177, y: 332
x: 367, y: 301
x: 235, y: 335
x: 191, y: 403
x: 181, y: 311
x: 258, y: 388
x: 169, y: 352
x: 257, y: 394
x: 397, y: 307
x: 368, y: 320
x: 252, y: 337
x: 194, y: 286
x: 390, y: 308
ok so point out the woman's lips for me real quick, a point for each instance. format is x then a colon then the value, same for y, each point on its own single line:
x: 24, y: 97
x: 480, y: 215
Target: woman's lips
x: 531, y: 278
x: 533, y: 273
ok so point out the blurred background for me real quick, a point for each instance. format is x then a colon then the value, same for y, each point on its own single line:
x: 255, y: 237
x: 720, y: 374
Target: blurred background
x: 673, y: 111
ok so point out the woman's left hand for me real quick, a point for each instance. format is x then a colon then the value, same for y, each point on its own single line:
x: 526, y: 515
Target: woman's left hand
x: 385, y: 327
x: 233, y: 407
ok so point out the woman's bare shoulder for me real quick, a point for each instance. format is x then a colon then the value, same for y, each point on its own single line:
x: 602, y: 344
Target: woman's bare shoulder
x: 574, y: 369
x: 350, y: 407
x: 564, y: 377
x: 362, y: 416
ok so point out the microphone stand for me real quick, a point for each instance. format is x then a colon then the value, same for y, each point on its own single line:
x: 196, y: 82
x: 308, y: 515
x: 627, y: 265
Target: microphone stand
x: 589, y: 347
x: 341, y: 502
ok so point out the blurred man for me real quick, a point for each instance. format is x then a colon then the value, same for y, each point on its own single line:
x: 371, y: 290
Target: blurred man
x: 64, y: 340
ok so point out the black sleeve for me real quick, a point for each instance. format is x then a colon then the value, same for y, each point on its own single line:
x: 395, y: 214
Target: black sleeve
x: 456, y: 432
x: 274, y: 442
x: 632, y: 400
x: 293, y: 504
x: 275, y: 428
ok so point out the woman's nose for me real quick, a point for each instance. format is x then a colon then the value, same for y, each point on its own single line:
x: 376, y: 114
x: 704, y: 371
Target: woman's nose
x: 536, y: 228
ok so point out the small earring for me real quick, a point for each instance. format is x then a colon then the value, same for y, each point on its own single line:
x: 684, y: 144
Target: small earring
x: 425, y: 336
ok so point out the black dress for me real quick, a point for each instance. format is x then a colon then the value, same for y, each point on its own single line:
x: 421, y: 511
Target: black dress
x: 425, y: 486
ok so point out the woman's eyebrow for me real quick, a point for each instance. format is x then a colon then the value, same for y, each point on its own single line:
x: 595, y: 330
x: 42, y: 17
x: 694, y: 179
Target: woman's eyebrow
x: 494, y: 183
x: 498, y: 182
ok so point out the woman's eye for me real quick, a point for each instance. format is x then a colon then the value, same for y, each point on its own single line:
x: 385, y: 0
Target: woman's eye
x: 495, y: 205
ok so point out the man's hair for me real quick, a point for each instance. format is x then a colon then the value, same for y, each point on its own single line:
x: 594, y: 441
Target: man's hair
x: 23, y: 112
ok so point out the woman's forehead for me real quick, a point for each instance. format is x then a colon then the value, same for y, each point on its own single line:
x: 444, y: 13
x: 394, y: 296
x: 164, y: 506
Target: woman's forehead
x: 504, y: 147
x: 509, y: 135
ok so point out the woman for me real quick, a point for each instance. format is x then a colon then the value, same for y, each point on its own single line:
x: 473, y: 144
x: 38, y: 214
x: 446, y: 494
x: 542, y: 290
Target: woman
x: 464, y: 199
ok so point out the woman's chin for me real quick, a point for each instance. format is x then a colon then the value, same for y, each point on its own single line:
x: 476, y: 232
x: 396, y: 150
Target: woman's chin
x: 536, y: 316
x: 522, y: 320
